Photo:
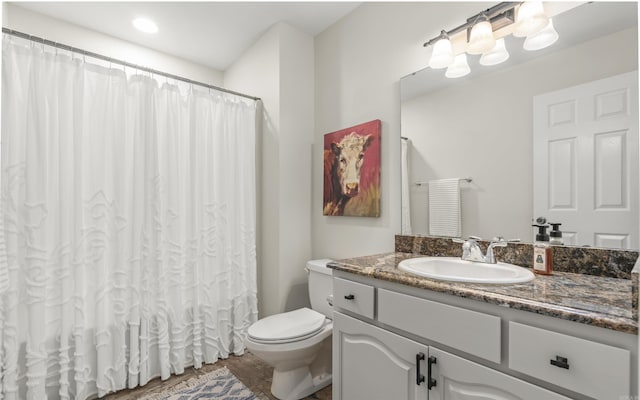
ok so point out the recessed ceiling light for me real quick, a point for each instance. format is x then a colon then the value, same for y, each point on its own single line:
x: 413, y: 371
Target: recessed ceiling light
x: 145, y: 25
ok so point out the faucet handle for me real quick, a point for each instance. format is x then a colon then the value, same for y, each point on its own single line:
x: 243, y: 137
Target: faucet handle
x: 470, y: 238
x: 467, y: 241
x: 497, y: 241
x: 500, y: 239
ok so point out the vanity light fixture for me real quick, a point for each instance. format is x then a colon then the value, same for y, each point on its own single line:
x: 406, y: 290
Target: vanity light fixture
x: 481, y: 37
x: 496, y: 55
x: 145, y: 25
x: 442, y: 55
x: 530, y: 19
x: 459, y: 68
x: 542, y: 39
x: 485, y: 35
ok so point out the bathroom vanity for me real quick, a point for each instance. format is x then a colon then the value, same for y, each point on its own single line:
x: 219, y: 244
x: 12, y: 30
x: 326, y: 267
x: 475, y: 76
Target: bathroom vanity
x: 399, y: 336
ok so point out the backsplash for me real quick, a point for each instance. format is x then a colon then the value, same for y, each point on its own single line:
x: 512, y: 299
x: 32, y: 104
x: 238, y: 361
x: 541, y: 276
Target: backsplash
x: 581, y: 260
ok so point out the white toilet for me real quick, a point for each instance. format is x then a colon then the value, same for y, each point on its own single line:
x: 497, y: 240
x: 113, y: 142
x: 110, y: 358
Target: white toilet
x: 297, y: 344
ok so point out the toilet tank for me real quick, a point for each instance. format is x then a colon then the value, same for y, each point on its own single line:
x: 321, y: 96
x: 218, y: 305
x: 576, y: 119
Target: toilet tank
x: 320, y: 286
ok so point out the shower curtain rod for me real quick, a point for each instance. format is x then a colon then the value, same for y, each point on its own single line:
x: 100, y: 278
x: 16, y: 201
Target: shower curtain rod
x: 120, y: 62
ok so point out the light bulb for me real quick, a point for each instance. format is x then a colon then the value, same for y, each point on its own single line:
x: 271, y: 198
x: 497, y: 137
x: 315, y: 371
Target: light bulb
x: 542, y: 39
x: 496, y: 55
x: 459, y: 68
x: 530, y: 19
x: 442, y: 55
x: 481, y: 37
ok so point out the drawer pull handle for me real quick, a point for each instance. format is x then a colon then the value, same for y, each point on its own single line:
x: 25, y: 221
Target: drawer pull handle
x: 560, y: 362
x: 431, y: 382
x: 419, y: 376
x: 349, y: 297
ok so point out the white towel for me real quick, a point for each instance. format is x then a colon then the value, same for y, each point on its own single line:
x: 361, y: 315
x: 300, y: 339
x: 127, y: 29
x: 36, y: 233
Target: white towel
x: 406, y: 205
x: 445, y: 218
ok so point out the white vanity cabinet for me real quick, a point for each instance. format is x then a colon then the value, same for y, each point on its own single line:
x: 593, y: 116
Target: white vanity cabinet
x: 391, y: 344
x: 372, y: 363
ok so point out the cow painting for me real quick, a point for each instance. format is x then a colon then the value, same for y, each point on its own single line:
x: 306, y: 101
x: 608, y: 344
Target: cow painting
x: 352, y: 171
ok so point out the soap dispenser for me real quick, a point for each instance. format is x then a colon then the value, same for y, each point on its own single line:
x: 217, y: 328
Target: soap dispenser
x: 542, y: 235
x: 555, y: 234
x: 542, y: 252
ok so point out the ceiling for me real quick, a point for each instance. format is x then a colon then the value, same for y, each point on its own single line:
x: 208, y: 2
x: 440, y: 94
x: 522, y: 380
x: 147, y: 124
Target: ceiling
x: 213, y: 34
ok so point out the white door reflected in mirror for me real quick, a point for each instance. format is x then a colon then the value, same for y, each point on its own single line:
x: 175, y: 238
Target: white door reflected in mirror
x: 585, y: 161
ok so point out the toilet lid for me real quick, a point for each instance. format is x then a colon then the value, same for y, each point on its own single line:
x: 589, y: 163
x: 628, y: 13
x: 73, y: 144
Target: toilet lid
x: 287, y: 326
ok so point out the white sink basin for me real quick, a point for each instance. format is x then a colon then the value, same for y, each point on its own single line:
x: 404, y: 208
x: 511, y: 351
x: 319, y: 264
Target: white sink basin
x: 457, y: 270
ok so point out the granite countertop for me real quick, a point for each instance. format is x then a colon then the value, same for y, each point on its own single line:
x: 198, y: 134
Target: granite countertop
x: 594, y: 300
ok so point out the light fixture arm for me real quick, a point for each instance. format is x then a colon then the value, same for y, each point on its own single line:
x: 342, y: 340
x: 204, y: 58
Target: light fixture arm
x: 500, y: 15
x: 443, y: 35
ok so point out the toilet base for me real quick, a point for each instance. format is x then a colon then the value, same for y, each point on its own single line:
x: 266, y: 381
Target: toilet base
x: 299, y: 368
x: 297, y: 383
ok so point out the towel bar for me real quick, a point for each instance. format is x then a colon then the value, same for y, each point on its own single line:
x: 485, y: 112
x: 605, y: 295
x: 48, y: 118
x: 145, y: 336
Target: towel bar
x: 468, y: 180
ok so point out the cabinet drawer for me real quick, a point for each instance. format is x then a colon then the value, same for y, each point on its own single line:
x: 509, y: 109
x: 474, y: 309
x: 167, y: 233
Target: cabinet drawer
x: 469, y: 331
x: 354, y: 297
x: 586, y: 367
x: 458, y: 378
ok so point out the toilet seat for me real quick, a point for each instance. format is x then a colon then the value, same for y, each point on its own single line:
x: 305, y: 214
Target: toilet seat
x: 287, y: 327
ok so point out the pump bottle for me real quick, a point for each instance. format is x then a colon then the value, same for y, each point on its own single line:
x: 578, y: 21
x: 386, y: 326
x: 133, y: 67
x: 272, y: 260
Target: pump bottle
x: 555, y: 234
x: 542, y: 252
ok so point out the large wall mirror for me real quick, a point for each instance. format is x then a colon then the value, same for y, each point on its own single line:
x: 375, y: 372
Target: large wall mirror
x: 481, y: 126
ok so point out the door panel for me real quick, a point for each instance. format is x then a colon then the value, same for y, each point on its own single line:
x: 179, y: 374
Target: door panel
x: 562, y: 174
x: 610, y: 172
x: 466, y: 391
x: 371, y: 363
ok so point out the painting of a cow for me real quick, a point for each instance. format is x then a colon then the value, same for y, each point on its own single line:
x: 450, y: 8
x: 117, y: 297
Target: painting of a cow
x: 352, y: 171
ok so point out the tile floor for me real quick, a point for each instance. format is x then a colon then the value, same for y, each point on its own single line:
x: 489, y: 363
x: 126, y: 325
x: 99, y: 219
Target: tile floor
x: 252, y: 371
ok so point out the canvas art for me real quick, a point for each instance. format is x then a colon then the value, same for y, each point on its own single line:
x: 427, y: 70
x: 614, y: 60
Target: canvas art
x: 352, y: 171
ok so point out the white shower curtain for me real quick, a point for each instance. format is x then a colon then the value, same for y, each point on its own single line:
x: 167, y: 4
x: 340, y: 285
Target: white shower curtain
x: 128, y: 217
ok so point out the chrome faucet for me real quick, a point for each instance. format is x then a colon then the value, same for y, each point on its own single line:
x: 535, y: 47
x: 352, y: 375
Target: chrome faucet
x: 471, y: 250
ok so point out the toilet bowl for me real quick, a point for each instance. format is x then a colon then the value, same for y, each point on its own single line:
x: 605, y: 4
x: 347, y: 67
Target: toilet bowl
x: 297, y: 344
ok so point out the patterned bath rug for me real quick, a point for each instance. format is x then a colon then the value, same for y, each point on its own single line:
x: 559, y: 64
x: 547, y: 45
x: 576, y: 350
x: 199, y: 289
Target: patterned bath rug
x: 220, y: 384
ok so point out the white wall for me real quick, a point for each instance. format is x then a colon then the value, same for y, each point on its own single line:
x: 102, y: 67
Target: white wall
x: 32, y: 23
x: 359, y: 63
x: 297, y: 122
x: 258, y: 71
x: 279, y: 69
x: 483, y: 128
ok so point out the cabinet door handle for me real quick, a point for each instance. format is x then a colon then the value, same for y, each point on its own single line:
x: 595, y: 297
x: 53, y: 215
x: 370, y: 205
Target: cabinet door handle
x: 560, y: 362
x: 349, y: 297
x: 431, y: 382
x: 419, y: 376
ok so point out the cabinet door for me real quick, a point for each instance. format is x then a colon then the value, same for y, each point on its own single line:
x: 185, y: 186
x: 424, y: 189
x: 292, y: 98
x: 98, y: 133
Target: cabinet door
x: 371, y: 363
x: 460, y: 379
